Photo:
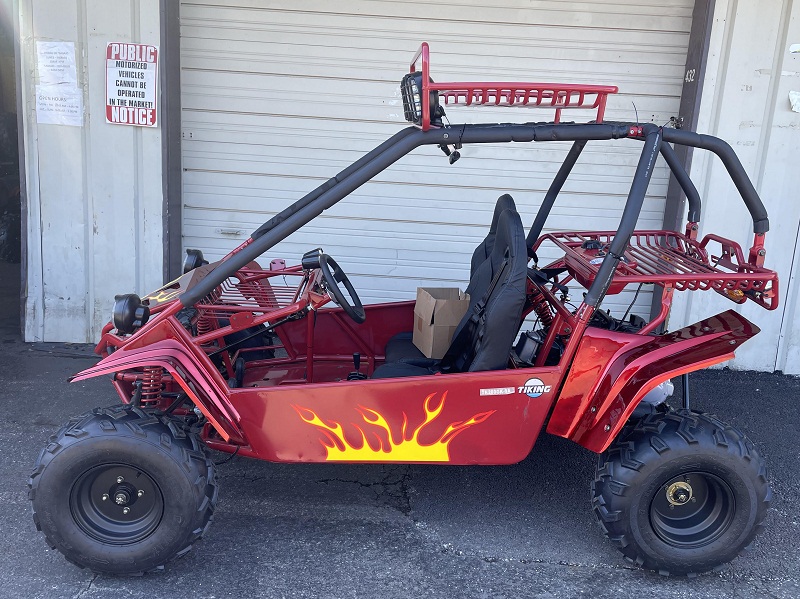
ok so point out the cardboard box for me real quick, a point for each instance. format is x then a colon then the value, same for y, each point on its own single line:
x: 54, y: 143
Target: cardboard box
x: 436, y: 315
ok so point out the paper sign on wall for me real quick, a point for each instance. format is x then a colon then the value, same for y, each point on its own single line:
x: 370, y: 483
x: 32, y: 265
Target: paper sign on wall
x: 131, y: 84
x: 794, y: 101
x: 59, y: 105
x: 59, y: 100
x: 56, y: 63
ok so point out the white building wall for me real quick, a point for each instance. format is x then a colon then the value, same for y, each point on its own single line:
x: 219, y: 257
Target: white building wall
x: 279, y: 96
x: 95, y: 197
x: 94, y: 204
x: 746, y: 103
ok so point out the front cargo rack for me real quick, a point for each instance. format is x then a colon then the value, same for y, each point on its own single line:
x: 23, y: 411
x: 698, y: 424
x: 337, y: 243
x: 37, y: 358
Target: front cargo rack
x: 421, y: 95
x: 249, y: 289
x: 672, y: 259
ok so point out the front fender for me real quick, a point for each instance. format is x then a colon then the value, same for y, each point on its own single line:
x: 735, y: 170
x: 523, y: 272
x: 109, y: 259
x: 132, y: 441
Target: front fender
x: 612, y: 372
x: 203, y: 390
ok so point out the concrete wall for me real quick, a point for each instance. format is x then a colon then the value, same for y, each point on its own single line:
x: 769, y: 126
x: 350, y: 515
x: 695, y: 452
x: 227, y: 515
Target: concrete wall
x: 746, y: 103
x: 94, y: 202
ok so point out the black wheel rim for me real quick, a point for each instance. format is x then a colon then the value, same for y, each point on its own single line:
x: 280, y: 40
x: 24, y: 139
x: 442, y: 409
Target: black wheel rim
x: 692, y: 510
x: 116, y: 504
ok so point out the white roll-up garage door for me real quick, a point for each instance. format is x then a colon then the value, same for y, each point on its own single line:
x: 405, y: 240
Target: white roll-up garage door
x: 279, y: 96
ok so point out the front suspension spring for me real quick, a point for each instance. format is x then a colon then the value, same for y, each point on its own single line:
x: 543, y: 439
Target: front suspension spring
x: 152, y: 384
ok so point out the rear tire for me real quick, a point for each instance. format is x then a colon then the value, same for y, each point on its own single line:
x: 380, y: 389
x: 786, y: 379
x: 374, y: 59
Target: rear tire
x: 123, y: 491
x: 681, y: 492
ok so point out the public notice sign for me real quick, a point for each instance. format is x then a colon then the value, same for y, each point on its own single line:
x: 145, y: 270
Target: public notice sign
x: 132, y: 84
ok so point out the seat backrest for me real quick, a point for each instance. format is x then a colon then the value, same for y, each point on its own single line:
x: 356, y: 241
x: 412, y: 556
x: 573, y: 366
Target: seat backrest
x: 484, y: 249
x: 484, y: 337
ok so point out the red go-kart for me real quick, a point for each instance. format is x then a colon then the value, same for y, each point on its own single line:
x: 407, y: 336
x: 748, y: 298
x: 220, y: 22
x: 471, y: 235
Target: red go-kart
x: 251, y: 358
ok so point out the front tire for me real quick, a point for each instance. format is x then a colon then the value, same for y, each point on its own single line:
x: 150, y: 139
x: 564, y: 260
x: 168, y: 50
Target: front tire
x: 123, y: 491
x: 681, y: 492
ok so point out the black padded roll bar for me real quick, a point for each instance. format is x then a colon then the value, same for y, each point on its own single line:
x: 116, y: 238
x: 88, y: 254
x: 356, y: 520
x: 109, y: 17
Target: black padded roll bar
x: 564, y: 171
x: 332, y: 191
x: 734, y: 168
x: 313, y: 204
x: 682, y: 177
x: 552, y: 193
x: 633, y: 206
x: 313, y: 195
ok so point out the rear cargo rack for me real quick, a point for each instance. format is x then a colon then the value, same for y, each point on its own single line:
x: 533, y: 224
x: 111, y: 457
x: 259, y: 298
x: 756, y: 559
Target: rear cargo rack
x: 670, y: 258
x: 422, y: 104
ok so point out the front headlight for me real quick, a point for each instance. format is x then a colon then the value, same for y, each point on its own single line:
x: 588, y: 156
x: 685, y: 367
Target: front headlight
x: 411, y: 90
x: 130, y: 313
x: 194, y: 259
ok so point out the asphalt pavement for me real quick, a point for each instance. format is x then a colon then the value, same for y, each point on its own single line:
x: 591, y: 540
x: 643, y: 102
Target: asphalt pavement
x: 364, y: 531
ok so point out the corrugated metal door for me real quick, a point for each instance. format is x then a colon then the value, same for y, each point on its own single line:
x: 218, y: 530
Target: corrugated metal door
x: 280, y: 96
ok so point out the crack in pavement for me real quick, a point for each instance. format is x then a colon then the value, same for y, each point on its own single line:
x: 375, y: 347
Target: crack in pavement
x: 87, y: 589
x: 393, y: 489
x: 448, y: 549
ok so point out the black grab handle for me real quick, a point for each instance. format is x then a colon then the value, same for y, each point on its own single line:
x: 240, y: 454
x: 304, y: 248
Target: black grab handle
x: 734, y: 167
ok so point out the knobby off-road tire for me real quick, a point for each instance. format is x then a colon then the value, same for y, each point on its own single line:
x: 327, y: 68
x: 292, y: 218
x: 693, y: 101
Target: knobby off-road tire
x: 115, y: 459
x: 680, y: 492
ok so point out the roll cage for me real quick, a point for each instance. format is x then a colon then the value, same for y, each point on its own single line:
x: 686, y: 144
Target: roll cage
x: 696, y: 272
x: 213, y: 309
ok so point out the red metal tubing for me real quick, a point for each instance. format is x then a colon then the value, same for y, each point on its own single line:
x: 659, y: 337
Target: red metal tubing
x: 424, y: 52
x: 556, y: 95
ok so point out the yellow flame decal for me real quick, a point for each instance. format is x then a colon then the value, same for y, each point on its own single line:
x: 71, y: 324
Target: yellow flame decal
x: 386, y: 449
x: 163, y: 295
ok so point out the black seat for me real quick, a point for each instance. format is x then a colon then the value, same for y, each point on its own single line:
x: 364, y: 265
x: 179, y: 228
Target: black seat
x: 483, y: 338
x: 401, y: 347
x: 484, y: 249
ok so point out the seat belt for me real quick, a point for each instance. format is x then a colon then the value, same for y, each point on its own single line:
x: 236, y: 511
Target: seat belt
x: 544, y: 276
x: 460, y: 347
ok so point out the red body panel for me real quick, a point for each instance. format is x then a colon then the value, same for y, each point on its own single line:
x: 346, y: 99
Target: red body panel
x: 612, y: 371
x: 500, y: 429
x: 473, y: 418
x: 467, y: 418
x: 208, y: 392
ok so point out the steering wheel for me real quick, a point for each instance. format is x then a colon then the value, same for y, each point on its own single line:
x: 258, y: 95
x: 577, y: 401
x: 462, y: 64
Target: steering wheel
x: 334, y: 276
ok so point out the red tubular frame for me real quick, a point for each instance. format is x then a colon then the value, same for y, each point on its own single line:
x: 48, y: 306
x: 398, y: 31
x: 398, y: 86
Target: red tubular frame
x: 552, y: 95
x: 262, y: 422
x: 670, y: 258
x: 586, y: 396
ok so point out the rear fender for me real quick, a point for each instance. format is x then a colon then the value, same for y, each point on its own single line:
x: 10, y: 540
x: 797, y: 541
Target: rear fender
x: 205, y: 392
x: 612, y: 372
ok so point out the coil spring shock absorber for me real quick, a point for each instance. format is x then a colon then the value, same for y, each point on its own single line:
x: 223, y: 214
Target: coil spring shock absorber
x: 151, y: 385
x: 207, y: 321
x: 205, y: 324
x: 542, y: 308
